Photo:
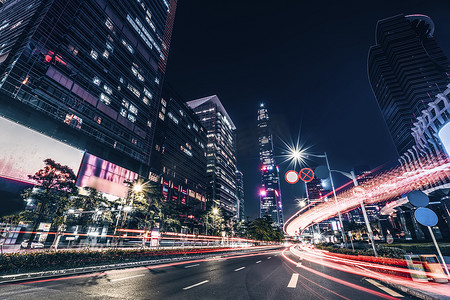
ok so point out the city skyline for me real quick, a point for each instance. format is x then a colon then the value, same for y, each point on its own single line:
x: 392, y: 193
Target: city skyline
x: 318, y: 72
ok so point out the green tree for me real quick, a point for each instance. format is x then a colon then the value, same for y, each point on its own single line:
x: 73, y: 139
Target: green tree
x: 53, y: 195
x: 262, y: 229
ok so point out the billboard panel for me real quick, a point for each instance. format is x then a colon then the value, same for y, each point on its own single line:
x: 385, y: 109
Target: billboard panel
x: 104, y: 176
x: 23, y: 151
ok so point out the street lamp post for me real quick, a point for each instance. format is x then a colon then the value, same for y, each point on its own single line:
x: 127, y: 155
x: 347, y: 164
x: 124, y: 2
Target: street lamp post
x: 297, y: 155
x: 344, y: 238
x: 352, y: 176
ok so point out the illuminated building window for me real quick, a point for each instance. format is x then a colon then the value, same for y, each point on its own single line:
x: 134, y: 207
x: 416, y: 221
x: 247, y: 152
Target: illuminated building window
x: 137, y: 74
x: 129, y: 48
x: 96, y: 80
x: 172, y: 117
x: 149, y: 124
x: 132, y: 118
x: 73, y: 121
x: 94, y: 54
x: 109, y: 24
x: 109, y: 46
x: 163, y: 102
x: 134, y: 90
x: 148, y: 94
x: 133, y: 109
x: 157, y: 80
x: 72, y: 49
x: 106, y: 54
x: 105, y: 99
x: 16, y: 25
x: 163, y: 109
x: 145, y: 100
x: 121, y: 80
x: 107, y: 89
x: 123, y: 112
x: 161, y: 116
x: 4, y: 26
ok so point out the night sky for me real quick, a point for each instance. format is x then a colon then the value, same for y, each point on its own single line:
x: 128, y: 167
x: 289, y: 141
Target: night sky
x: 307, y: 61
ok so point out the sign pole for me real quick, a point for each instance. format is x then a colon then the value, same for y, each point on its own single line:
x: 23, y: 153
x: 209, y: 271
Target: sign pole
x: 437, y: 248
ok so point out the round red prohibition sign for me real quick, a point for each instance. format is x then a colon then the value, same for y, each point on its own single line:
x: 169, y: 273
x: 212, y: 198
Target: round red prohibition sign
x: 306, y: 174
x: 291, y: 177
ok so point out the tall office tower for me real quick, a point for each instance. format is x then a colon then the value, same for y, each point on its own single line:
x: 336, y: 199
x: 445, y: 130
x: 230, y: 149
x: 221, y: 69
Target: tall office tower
x: 270, y: 194
x: 406, y: 69
x: 88, y: 73
x: 179, y: 156
x: 221, y: 152
x: 240, y: 195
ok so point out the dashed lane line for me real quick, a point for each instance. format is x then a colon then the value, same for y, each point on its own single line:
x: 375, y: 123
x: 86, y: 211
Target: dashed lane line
x: 241, y: 268
x: 194, y: 285
x: 293, y: 282
x: 125, y: 278
x: 258, y: 261
x: 191, y: 266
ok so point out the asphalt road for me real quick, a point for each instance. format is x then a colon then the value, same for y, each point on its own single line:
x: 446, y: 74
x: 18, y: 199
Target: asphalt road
x: 248, y: 276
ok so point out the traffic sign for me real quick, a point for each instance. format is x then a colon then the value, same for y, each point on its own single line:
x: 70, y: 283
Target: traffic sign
x: 291, y: 177
x: 418, y: 198
x: 426, y: 216
x: 306, y: 174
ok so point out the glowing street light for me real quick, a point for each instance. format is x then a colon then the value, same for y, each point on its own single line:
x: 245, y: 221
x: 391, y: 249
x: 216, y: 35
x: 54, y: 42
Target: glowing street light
x: 138, y: 187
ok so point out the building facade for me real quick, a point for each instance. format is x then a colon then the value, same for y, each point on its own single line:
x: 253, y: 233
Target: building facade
x: 221, y: 152
x: 88, y: 73
x: 270, y: 193
x: 240, y: 195
x: 406, y: 70
x: 179, y: 156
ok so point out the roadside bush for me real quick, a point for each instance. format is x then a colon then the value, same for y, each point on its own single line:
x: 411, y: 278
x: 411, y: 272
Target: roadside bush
x: 50, y: 260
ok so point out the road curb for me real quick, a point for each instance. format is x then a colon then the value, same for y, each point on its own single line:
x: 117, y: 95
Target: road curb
x: 15, y: 278
x: 413, y: 292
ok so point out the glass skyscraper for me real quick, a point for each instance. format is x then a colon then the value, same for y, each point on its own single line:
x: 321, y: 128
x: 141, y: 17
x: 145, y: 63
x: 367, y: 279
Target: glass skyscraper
x: 406, y: 69
x: 270, y: 193
x: 88, y: 73
x: 221, y: 152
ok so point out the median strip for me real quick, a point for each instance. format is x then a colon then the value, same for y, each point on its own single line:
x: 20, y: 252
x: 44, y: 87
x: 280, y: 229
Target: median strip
x: 194, y: 285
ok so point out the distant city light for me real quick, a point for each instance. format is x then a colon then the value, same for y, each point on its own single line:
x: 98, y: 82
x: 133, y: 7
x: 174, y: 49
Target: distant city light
x: 262, y: 192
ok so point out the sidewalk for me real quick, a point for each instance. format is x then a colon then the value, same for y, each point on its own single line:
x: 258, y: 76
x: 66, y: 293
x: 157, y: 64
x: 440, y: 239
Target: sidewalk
x: 423, y: 290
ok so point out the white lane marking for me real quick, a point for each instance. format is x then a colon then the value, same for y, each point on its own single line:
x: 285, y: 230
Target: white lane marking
x: 124, y: 278
x: 384, y: 288
x: 194, y: 285
x: 192, y: 266
x: 241, y: 268
x: 258, y: 261
x: 293, y: 281
x: 269, y: 257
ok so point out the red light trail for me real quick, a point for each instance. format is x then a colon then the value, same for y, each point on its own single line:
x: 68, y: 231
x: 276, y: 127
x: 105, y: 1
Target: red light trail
x: 418, y: 175
x: 392, y: 270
